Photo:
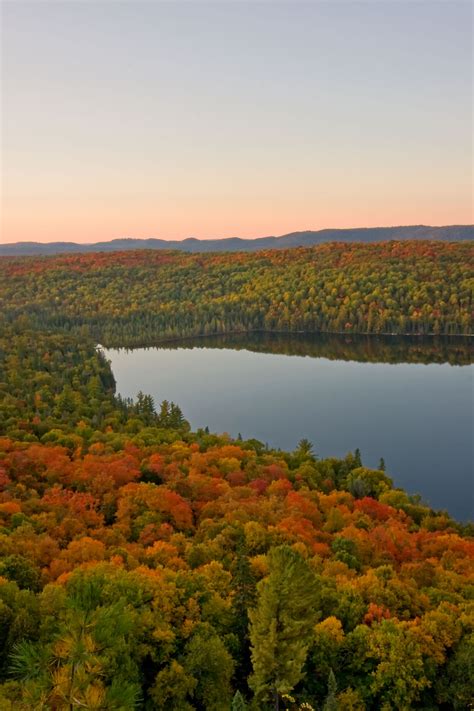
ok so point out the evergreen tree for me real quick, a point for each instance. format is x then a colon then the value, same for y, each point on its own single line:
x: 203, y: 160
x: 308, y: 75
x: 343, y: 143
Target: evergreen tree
x: 281, y: 624
x: 244, y: 586
x: 331, y: 703
x: 305, y: 448
x: 382, y: 464
x: 357, y: 458
x: 176, y: 418
x: 238, y: 702
x: 209, y: 662
x: 87, y: 663
x: 164, y: 413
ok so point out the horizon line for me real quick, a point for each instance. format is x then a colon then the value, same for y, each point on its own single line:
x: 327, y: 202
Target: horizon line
x: 246, y: 239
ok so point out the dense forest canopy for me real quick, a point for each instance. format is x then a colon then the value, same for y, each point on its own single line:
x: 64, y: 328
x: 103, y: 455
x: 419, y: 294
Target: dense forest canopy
x: 145, y: 566
x: 125, y: 298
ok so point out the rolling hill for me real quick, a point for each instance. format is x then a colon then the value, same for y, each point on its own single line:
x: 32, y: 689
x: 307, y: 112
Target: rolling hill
x: 308, y: 238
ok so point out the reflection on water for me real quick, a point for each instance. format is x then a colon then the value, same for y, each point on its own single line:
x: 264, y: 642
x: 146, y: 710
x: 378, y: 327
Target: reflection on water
x: 371, y: 349
x: 409, y: 401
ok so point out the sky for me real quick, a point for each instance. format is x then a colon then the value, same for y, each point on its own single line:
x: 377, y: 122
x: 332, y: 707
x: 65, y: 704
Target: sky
x: 220, y: 119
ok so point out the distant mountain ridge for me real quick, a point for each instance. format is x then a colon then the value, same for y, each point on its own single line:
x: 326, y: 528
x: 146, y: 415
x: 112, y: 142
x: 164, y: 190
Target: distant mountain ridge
x: 450, y: 233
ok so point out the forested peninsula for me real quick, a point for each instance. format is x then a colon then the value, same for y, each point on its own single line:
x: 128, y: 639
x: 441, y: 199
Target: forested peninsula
x: 146, y: 566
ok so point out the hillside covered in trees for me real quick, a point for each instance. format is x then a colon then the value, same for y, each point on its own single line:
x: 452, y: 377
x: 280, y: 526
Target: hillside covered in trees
x: 129, y: 298
x: 145, y: 566
x: 308, y: 238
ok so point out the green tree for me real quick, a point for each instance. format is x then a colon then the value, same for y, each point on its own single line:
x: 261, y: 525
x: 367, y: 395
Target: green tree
x: 238, y: 702
x: 305, y: 447
x: 21, y: 571
x: 19, y: 619
x: 358, y: 457
x: 209, y: 662
x: 457, y: 682
x: 173, y: 687
x: 400, y: 675
x: 84, y: 663
x: 367, y: 482
x: 244, y: 585
x: 331, y: 703
x: 281, y: 624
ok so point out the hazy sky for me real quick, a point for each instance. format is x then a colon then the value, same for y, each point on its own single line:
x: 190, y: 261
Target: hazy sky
x: 217, y: 119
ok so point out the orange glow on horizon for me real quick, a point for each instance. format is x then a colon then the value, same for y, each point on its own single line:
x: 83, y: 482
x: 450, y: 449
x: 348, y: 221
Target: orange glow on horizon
x: 240, y: 139
x: 73, y: 221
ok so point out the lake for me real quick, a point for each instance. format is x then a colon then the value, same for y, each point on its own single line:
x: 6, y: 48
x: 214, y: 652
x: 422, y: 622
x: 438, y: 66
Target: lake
x: 408, y: 401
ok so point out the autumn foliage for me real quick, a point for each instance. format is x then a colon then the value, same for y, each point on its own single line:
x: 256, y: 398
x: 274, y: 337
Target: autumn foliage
x: 169, y: 527
x: 145, y: 566
x: 127, y: 298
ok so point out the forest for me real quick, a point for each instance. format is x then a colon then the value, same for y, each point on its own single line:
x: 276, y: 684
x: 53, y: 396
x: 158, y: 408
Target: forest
x: 145, y: 566
x: 129, y: 298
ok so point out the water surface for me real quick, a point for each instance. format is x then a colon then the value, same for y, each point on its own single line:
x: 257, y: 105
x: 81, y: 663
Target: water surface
x: 407, y: 401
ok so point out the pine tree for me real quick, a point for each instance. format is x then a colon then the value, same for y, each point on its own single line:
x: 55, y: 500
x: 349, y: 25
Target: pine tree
x: 281, y: 624
x: 382, y: 464
x: 238, y: 702
x: 164, y: 413
x: 176, y: 418
x: 331, y: 703
x: 244, y: 587
x: 85, y: 664
x: 357, y: 458
x: 305, y: 447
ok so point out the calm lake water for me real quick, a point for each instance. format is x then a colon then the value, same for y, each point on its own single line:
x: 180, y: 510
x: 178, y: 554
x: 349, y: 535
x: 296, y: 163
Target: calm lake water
x: 407, y: 401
